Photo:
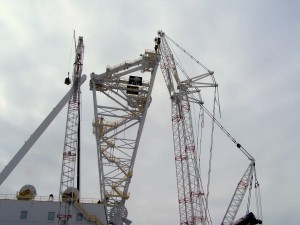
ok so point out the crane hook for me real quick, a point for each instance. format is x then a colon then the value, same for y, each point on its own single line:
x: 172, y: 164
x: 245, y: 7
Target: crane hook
x: 67, y: 80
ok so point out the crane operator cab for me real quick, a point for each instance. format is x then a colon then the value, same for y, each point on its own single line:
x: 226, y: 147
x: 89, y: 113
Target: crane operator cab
x: 249, y: 219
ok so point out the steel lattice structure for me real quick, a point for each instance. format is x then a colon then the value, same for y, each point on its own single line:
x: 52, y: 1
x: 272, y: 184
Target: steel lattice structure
x: 121, y: 101
x: 72, y: 139
x: 191, y: 196
x: 238, y: 195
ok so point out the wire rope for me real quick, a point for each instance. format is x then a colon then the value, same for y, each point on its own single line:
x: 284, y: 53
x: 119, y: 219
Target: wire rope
x: 249, y: 196
x: 259, y: 203
x: 210, y: 152
x: 178, y: 63
x: 70, y: 56
x: 200, y: 126
x: 197, y: 61
x: 258, y: 197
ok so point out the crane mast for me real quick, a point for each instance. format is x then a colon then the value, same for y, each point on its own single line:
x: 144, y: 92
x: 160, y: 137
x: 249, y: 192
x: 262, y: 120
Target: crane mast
x: 238, y: 195
x: 121, y: 100
x: 68, y: 194
x: 191, y: 198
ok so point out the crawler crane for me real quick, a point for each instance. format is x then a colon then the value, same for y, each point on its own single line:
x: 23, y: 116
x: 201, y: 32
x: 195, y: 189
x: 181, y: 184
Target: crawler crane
x: 193, y: 202
x: 121, y: 98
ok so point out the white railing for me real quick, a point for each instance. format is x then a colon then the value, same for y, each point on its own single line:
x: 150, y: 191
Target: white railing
x: 47, y: 198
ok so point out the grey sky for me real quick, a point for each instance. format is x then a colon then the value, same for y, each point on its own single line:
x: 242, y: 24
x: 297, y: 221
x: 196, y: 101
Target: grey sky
x: 253, y: 47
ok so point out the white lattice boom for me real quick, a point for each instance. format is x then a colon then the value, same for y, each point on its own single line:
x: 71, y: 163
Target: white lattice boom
x: 238, y: 195
x: 122, y: 96
x: 71, y: 143
x: 191, y: 196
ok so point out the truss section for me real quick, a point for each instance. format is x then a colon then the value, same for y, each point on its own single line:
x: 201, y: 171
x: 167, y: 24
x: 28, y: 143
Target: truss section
x: 238, y: 195
x: 191, y: 197
x: 71, y: 142
x: 121, y: 96
x: 190, y: 193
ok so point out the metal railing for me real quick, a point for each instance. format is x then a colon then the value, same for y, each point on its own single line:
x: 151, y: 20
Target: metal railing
x: 47, y: 198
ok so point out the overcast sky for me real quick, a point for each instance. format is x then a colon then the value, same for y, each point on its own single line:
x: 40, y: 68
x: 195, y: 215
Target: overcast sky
x: 253, y: 47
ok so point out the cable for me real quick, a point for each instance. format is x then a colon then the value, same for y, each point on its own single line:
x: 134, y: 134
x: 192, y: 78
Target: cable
x: 249, y: 196
x: 178, y: 63
x: 258, y: 198
x: 210, y: 151
x: 200, y: 135
x: 74, y: 40
x: 238, y: 145
x: 197, y: 61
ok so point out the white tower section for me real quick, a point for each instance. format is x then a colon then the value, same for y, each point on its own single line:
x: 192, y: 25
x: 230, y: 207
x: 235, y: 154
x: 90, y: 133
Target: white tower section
x: 122, y: 96
x: 191, y: 197
x: 68, y: 194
